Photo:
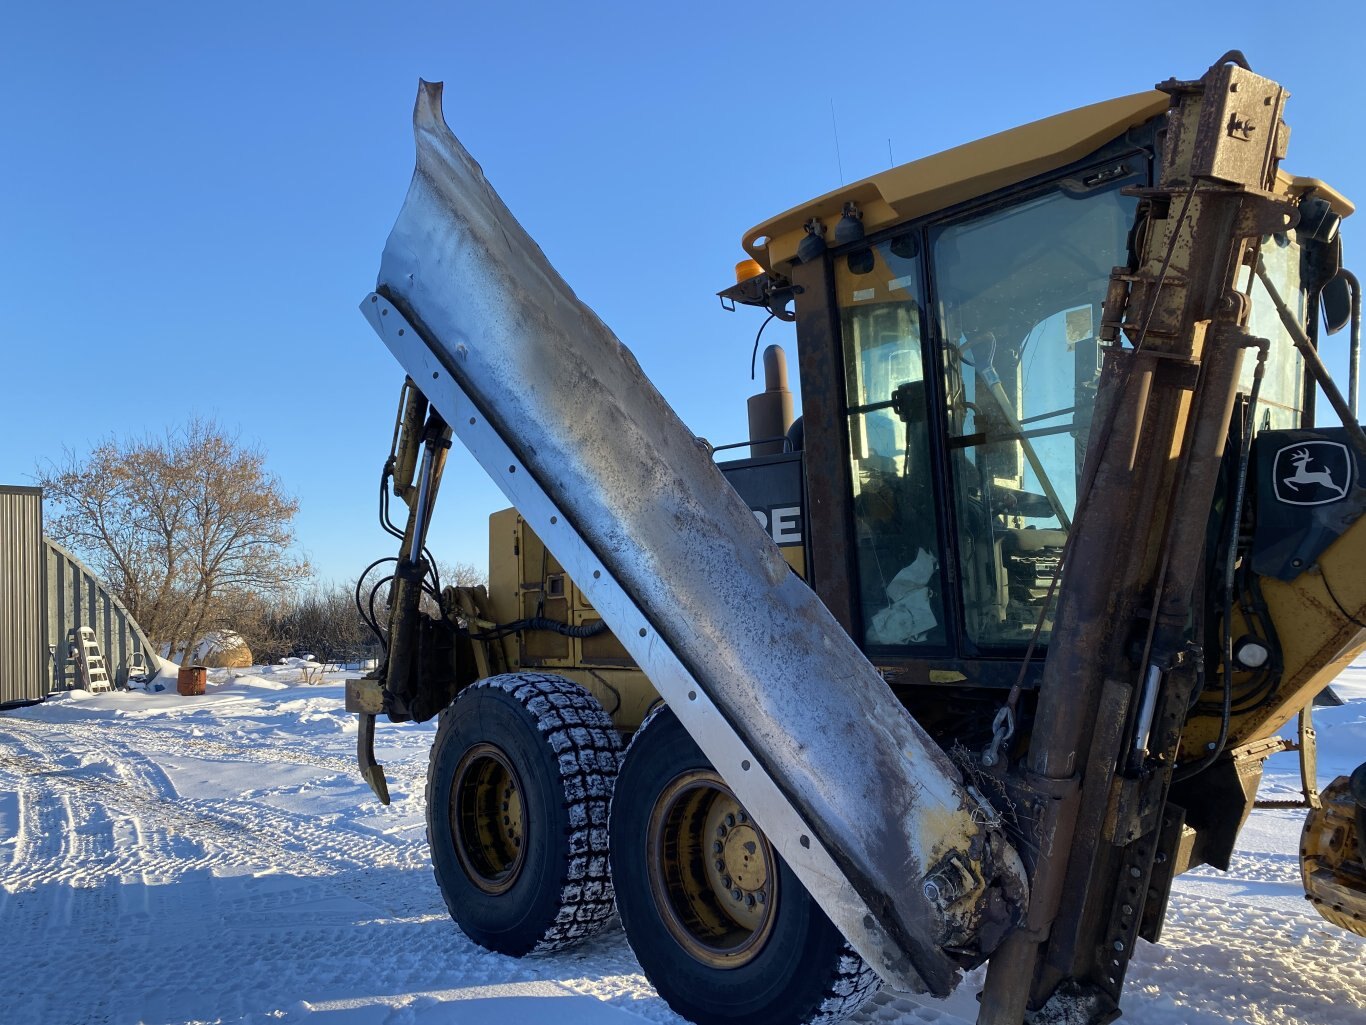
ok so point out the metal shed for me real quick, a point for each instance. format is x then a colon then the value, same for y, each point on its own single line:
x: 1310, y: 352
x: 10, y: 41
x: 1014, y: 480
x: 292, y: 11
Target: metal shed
x: 45, y: 593
x: 24, y: 676
x: 76, y: 598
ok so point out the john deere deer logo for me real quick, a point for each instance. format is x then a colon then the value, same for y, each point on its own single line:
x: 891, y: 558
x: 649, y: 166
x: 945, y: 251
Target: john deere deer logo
x: 1312, y: 473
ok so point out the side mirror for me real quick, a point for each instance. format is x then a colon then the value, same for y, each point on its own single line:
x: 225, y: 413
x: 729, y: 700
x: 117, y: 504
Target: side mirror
x: 1336, y: 297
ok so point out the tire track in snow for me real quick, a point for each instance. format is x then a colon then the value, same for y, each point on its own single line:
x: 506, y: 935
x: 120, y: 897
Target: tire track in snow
x: 108, y: 856
x: 169, y: 836
x: 228, y: 831
x: 140, y: 738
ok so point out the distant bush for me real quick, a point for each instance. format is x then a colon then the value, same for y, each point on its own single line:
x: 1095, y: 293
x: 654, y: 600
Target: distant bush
x: 321, y: 621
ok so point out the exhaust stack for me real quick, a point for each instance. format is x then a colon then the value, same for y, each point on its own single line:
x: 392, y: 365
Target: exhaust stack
x: 770, y: 412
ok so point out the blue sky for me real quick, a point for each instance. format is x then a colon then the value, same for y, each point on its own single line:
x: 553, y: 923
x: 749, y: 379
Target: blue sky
x: 193, y: 199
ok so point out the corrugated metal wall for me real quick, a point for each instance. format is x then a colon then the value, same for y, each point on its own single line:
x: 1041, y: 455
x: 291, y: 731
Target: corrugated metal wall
x: 75, y: 597
x: 23, y: 634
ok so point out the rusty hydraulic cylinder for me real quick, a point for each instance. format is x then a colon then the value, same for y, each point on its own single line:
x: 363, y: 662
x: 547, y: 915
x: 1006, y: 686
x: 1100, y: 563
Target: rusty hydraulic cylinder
x: 871, y: 815
x: 1116, y: 656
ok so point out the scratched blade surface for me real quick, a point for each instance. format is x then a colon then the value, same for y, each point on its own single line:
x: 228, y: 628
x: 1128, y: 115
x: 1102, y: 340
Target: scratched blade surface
x: 600, y: 440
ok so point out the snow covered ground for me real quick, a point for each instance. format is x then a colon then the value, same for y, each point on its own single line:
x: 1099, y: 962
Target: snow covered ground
x: 216, y: 859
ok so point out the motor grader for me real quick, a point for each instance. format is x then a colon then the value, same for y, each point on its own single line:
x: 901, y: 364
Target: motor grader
x: 966, y: 663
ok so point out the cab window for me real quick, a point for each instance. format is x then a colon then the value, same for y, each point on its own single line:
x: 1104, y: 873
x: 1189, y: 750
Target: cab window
x: 1018, y: 303
x: 896, y: 547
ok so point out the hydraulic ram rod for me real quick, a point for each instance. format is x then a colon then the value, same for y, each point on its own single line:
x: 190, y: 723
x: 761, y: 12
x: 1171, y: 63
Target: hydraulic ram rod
x: 870, y: 814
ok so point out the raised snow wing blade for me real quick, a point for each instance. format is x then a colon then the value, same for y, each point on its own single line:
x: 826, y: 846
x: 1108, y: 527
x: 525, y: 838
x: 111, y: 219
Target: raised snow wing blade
x: 870, y: 814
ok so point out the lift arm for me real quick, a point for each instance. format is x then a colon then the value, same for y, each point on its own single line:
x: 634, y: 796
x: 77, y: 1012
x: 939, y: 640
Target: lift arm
x: 417, y: 459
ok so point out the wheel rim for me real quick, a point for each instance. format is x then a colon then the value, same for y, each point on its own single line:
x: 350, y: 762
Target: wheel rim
x: 712, y: 873
x: 488, y: 824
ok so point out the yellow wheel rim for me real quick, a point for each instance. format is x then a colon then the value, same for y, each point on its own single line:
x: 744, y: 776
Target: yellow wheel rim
x: 713, y: 874
x: 487, y: 820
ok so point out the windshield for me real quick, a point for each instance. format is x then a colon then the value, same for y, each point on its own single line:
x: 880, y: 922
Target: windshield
x: 1019, y: 292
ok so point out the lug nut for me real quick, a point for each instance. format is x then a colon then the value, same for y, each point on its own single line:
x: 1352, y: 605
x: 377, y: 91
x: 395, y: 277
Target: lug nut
x: 720, y: 865
x: 744, y: 817
x: 717, y: 847
x: 721, y: 830
x: 725, y: 882
x: 730, y: 820
x: 749, y: 900
x: 735, y: 894
x: 760, y: 897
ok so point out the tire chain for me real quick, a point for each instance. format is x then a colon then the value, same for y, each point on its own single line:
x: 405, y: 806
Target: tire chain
x: 588, y: 751
x: 849, y: 988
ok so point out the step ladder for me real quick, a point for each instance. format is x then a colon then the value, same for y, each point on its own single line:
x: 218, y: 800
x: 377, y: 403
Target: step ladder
x: 84, y: 651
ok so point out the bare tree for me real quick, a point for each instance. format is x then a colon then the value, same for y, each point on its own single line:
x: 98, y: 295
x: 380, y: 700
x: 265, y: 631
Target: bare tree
x: 190, y: 530
x: 461, y: 574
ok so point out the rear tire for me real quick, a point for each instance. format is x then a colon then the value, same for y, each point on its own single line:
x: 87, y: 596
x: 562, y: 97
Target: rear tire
x: 683, y: 848
x: 518, y: 787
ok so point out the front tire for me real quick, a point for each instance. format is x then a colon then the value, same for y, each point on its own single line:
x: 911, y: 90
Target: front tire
x: 521, y: 774
x: 719, y: 923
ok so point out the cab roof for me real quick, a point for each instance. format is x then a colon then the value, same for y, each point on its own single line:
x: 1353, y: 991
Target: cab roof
x: 959, y: 174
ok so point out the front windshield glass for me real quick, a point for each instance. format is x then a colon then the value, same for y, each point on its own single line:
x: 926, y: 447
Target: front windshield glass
x: 1019, y: 295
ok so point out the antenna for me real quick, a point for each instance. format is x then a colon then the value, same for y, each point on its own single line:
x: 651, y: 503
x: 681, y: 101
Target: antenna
x: 834, y: 126
x: 890, y: 161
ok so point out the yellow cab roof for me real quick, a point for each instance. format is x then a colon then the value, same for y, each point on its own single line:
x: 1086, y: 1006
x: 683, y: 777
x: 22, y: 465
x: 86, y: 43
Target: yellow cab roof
x: 958, y: 174
x: 974, y: 169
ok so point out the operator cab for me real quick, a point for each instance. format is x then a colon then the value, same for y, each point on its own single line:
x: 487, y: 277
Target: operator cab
x: 949, y: 364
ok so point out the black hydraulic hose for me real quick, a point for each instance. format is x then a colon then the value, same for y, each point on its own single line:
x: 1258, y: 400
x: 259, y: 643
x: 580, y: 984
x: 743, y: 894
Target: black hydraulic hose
x: 1230, y: 557
x: 367, y: 615
x: 374, y: 592
x: 541, y: 623
x: 384, y: 520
